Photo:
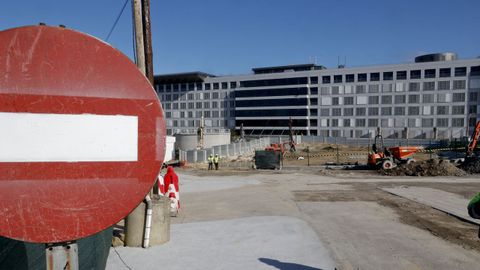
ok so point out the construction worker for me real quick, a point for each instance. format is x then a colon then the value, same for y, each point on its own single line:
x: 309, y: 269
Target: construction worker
x: 210, y: 162
x: 216, y: 159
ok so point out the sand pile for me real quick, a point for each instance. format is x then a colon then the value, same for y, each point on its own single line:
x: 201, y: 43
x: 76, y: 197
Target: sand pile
x: 432, y: 167
x: 471, y: 167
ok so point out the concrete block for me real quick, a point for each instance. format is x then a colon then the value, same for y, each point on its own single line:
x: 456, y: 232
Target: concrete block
x: 160, y: 232
x: 134, y: 226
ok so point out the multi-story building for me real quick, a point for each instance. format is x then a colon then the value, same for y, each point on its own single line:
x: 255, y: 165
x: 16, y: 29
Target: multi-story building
x: 435, y: 96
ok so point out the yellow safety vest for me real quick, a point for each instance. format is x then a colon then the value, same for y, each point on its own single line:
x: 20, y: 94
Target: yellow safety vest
x: 215, y: 159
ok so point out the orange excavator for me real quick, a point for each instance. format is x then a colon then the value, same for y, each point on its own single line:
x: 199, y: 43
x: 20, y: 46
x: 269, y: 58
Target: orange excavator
x: 281, y: 147
x: 388, y: 158
x: 470, y: 154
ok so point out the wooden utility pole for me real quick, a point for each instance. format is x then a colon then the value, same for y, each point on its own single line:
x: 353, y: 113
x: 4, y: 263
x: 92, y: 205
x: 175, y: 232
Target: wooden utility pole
x: 140, y: 46
x: 147, y: 38
x: 135, y: 221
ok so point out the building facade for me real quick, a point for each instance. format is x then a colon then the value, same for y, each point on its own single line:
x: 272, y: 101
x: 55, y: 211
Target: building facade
x: 434, y: 97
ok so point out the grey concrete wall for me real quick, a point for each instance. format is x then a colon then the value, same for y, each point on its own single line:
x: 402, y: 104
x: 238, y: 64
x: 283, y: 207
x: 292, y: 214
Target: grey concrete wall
x: 186, y: 142
x: 190, y: 141
x: 216, y: 139
x: 227, y: 150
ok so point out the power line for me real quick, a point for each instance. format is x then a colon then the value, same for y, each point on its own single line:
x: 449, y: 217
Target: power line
x: 116, y: 20
x: 120, y: 257
x: 134, y: 43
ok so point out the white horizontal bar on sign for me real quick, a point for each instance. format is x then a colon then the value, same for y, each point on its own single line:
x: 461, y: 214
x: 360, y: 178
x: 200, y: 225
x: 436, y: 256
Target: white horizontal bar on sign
x: 30, y: 137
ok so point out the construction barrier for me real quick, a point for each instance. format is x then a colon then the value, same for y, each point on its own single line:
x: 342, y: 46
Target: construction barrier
x: 228, y: 150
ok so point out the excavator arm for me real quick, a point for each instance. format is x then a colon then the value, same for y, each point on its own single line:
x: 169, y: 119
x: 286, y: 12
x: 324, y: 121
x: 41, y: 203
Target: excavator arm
x: 473, y: 140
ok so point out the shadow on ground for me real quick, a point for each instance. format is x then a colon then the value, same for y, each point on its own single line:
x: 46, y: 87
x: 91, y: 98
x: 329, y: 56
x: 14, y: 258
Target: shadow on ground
x: 285, y: 265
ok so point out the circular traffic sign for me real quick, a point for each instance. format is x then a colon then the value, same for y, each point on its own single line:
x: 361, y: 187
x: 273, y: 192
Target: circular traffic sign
x: 82, y: 135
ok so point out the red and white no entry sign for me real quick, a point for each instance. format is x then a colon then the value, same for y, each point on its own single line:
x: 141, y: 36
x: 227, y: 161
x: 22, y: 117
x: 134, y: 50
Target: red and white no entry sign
x: 82, y: 135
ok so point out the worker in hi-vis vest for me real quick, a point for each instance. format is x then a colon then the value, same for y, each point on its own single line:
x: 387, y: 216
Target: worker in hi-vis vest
x: 210, y: 162
x: 215, y: 161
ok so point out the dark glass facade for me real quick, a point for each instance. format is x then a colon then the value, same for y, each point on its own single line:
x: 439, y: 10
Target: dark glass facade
x: 272, y: 123
x: 272, y: 92
x: 278, y: 112
x: 274, y: 82
x: 272, y: 102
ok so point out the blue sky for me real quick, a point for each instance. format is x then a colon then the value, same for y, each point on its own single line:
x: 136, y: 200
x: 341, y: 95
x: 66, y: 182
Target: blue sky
x: 232, y: 36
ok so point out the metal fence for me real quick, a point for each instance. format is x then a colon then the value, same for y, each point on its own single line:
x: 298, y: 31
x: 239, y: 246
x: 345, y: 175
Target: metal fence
x: 227, y: 150
x: 369, y: 141
x: 249, y: 146
x: 359, y: 141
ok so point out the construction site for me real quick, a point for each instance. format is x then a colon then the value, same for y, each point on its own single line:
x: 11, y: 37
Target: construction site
x: 104, y: 165
x: 333, y: 206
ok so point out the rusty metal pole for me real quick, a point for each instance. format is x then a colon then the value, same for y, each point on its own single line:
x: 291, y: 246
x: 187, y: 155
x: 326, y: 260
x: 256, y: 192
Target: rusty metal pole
x: 147, y: 38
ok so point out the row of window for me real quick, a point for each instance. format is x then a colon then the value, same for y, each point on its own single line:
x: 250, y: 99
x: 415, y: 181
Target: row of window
x: 398, y: 75
x: 196, y: 96
x: 194, y: 86
x: 272, y: 102
x: 198, y: 105
x: 272, y: 92
x: 325, y: 101
x: 274, y: 82
x: 395, y: 99
x: 272, y: 123
x: 387, y: 111
x: 263, y: 113
x: 196, y: 123
x: 327, y: 90
x: 391, y: 122
x: 393, y: 87
x: 199, y: 114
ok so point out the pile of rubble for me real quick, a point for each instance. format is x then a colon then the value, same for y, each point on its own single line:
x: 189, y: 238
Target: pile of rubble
x: 432, y: 167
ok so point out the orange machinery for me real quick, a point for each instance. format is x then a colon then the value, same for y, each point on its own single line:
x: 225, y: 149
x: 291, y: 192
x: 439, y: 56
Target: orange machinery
x: 387, y: 158
x: 473, y: 142
x: 281, y: 147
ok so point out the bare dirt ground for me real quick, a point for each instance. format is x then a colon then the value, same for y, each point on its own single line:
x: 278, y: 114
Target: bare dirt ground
x: 363, y: 226
x: 314, y: 155
x: 411, y: 213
